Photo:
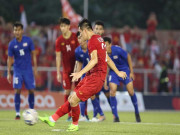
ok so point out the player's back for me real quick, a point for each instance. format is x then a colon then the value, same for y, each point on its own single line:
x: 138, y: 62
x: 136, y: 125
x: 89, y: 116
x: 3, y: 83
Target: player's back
x: 67, y: 48
x: 21, y: 52
x: 119, y: 57
x: 97, y: 43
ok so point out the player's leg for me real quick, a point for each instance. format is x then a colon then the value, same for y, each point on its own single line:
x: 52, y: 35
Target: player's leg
x: 82, y: 108
x: 17, y: 85
x: 30, y: 85
x: 67, y: 90
x: 97, y: 109
x: 113, y: 101
x: 107, y: 94
x: 132, y: 94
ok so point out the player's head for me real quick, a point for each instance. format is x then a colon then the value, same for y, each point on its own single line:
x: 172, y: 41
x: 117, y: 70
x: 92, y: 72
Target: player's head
x: 81, y: 41
x: 18, y: 30
x: 99, y: 28
x: 84, y: 28
x: 107, y: 41
x: 64, y: 25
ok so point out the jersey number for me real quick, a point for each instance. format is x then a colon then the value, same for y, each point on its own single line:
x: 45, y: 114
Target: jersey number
x: 103, y: 46
x: 21, y: 51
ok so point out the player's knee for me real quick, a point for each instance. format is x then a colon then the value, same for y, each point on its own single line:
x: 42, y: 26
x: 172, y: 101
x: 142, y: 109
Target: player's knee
x: 131, y: 92
x: 93, y: 97
x: 31, y: 91
x: 67, y: 92
x: 17, y: 91
x: 112, y: 93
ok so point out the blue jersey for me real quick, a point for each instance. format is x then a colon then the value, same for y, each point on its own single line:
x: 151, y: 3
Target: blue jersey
x: 21, y: 52
x: 119, y: 57
x: 82, y: 56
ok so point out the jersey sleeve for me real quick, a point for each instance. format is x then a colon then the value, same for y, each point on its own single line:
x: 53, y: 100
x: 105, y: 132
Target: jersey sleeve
x: 122, y: 53
x: 57, y: 46
x: 10, y: 50
x: 31, y: 45
x: 77, y: 55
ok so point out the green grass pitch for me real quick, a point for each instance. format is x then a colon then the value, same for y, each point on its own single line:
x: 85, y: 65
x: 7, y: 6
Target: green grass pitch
x: 153, y: 123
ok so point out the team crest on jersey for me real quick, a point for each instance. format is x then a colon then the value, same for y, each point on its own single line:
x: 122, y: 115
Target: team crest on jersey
x: 115, y: 57
x: 72, y: 42
x: 63, y: 43
x: 15, y: 46
x: 25, y: 44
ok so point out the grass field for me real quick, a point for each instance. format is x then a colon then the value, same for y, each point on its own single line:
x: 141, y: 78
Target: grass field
x: 153, y: 123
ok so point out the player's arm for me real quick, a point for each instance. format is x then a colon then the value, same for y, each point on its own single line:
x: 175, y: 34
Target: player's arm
x: 130, y: 66
x: 78, y: 66
x: 35, y: 62
x: 89, y: 66
x: 10, y: 61
x: 113, y: 67
x: 58, y: 65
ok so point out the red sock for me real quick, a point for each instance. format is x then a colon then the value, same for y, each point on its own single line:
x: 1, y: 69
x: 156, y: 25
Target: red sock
x: 66, y: 99
x: 75, y: 114
x: 62, y: 110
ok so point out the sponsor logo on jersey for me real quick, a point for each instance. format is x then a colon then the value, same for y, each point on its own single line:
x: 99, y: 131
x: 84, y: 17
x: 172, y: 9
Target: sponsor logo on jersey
x: 15, y: 46
x: 63, y: 43
x: 72, y: 42
x: 25, y: 44
x: 115, y: 57
x: 81, y: 55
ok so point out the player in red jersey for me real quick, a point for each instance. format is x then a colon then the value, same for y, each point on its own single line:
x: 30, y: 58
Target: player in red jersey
x: 65, y: 52
x: 93, y: 81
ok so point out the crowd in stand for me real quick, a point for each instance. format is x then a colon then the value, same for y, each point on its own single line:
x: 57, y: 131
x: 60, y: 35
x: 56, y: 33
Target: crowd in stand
x: 148, y: 48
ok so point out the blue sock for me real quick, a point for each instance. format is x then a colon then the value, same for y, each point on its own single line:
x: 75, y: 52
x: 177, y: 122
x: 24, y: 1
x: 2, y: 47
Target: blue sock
x: 17, y: 102
x: 31, y: 101
x: 97, y: 108
x: 82, y: 108
x: 108, y: 98
x: 134, y: 101
x: 113, y: 102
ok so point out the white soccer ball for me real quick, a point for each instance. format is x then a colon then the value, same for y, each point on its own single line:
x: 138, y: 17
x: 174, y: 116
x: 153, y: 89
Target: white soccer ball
x: 30, y: 116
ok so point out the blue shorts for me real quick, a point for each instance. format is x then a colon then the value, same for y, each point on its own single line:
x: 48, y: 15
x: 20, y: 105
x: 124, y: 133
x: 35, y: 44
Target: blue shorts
x: 114, y: 78
x: 23, y: 76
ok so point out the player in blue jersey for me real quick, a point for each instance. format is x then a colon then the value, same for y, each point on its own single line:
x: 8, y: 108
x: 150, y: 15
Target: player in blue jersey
x: 123, y: 62
x: 82, y: 59
x: 19, y: 51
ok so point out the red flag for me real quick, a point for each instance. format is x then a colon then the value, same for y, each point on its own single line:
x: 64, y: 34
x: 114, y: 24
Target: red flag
x: 69, y: 13
x: 23, y: 18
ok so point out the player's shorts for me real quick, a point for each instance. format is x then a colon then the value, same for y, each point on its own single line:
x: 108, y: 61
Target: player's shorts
x: 89, y: 86
x: 67, y: 81
x: 114, y: 78
x: 23, y: 76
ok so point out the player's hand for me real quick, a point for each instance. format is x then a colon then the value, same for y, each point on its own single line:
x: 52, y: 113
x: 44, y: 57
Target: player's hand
x: 75, y: 76
x: 132, y: 76
x: 122, y: 74
x: 35, y: 72
x: 59, y: 77
x: 9, y: 77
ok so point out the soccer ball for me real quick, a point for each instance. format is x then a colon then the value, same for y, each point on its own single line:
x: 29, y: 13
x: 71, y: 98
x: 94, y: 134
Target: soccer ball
x: 30, y: 116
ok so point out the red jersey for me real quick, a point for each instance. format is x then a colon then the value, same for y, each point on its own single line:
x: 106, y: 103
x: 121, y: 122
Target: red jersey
x: 67, y: 48
x: 97, y: 43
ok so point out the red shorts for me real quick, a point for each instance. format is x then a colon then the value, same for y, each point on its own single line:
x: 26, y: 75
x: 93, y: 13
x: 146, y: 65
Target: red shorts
x: 89, y: 86
x: 67, y: 83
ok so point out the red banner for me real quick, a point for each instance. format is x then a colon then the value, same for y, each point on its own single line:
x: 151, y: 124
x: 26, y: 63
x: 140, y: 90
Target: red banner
x: 43, y: 100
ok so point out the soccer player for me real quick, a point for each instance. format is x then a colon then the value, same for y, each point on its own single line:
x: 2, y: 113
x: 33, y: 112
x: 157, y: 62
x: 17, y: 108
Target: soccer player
x: 123, y: 62
x: 93, y: 81
x: 65, y: 48
x: 82, y: 58
x: 19, y: 51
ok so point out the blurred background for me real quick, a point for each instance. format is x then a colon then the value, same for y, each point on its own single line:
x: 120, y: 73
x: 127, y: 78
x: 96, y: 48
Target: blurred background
x: 149, y: 30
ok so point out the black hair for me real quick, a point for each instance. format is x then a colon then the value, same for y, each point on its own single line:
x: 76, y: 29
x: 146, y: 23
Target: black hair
x: 64, y: 20
x: 85, y: 23
x: 78, y: 34
x: 107, y: 39
x: 99, y: 23
x: 18, y: 24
